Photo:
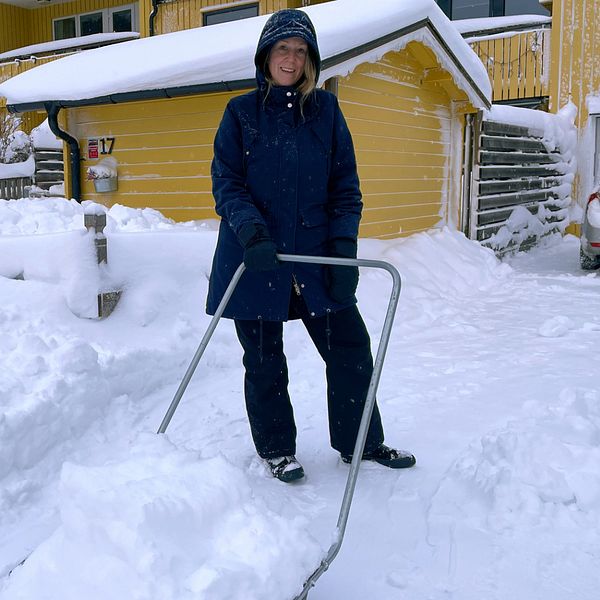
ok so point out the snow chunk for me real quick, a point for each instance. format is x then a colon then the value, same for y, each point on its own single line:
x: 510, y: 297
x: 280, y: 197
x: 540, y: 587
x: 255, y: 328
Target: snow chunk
x: 556, y: 327
x: 165, y: 523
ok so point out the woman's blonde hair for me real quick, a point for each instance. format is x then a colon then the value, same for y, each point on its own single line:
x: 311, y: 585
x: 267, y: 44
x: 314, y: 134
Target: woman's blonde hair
x: 308, y: 82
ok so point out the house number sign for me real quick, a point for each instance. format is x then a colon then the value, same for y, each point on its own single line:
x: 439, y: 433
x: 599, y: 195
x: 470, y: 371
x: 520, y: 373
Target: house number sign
x: 100, y: 146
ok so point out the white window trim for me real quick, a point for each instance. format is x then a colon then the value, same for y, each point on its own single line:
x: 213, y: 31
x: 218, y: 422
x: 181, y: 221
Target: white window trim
x: 106, y: 18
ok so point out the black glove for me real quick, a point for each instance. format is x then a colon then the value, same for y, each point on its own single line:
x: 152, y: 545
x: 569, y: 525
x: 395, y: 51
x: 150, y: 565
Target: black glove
x: 260, y: 252
x: 342, y: 280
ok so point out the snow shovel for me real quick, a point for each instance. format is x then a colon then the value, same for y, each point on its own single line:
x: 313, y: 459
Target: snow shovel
x: 369, y: 402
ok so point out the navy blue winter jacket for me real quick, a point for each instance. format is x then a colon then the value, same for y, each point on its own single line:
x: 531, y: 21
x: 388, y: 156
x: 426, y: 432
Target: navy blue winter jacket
x: 295, y: 174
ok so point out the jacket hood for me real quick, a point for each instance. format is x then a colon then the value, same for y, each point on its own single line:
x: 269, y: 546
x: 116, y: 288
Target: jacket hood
x: 281, y: 25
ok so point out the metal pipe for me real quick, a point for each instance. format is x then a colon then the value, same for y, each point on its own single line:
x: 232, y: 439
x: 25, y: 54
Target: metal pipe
x: 52, y: 108
x: 361, y: 437
x: 201, y: 348
x: 153, y: 14
x: 369, y: 402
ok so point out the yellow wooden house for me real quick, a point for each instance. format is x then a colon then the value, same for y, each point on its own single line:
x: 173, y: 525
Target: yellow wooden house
x: 407, y: 84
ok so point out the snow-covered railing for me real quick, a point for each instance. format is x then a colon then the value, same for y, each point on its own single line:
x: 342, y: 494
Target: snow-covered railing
x: 15, y: 187
x: 521, y: 177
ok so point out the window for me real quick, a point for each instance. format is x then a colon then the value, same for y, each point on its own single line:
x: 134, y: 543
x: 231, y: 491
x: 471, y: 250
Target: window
x: 91, y: 23
x: 470, y: 9
x: 473, y: 9
x: 119, y: 18
x: 64, y: 28
x: 233, y: 13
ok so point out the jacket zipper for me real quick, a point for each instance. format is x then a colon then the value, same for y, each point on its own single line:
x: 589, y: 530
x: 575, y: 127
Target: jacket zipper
x: 296, y: 286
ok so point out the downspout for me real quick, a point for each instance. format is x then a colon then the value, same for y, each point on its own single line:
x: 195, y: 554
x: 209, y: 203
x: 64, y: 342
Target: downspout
x: 53, y: 109
x: 155, y: 5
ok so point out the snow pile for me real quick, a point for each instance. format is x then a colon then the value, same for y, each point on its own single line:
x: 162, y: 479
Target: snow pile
x: 166, y: 523
x: 66, y: 259
x: 45, y: 240
x: 42, y: 137
x: 437, y: 269
x: 16, y: 170
x: 489, y: 362
x: 535, y: 483
x: 51, y: 391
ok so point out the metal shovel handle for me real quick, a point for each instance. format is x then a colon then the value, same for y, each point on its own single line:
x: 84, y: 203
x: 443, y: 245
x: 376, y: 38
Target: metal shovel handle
x: 369, y: 402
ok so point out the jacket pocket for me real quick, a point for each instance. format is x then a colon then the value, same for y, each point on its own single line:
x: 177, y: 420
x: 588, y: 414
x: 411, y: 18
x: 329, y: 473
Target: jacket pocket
x: 314, y: 216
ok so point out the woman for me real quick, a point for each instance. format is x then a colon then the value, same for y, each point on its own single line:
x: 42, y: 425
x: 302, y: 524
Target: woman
x: 285, y: 181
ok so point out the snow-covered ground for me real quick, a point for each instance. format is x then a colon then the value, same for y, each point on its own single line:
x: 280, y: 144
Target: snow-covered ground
x: 491, y: 379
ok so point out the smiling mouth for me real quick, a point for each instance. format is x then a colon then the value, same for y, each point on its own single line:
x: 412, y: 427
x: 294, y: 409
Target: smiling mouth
x: 287, y: 70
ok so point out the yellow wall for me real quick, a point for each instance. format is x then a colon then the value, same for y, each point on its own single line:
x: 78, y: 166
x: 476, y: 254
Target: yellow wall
x: 402, y: 131
x: 163, y: 149
x: 517, y: 64
x: 575, y: 54
x: 14, y: 27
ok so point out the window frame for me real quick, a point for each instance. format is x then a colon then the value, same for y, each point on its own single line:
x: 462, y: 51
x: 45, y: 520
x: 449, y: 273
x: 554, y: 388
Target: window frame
x: 228, y: 8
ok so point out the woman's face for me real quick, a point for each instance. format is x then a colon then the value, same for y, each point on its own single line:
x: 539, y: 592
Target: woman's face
x: 286, y: 61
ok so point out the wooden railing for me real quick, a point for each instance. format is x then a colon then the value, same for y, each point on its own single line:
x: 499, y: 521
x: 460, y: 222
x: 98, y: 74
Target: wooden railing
x: 518, y: 63
x: 12, y: 189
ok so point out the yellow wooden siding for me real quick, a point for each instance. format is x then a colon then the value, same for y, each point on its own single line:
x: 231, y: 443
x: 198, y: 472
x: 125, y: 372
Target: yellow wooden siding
x: 15, y: 27
x: 575, y: 70
x: 401, y: 132
x: 187, y: 14
x: 163, y: 149
x: 575, y: 55
x: 517, y: 64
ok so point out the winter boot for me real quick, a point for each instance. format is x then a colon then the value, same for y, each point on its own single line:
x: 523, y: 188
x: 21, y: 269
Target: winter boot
x: 285, y: 468
x: 388, y: 457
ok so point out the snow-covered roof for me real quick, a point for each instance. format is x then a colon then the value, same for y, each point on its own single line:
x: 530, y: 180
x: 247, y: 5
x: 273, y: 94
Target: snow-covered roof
x: 350, y: 32
x: 490, y: 25
x: 86, y: 41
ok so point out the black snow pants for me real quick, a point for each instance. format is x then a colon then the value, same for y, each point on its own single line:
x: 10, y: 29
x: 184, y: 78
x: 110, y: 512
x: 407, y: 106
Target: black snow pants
x: 342, y: 340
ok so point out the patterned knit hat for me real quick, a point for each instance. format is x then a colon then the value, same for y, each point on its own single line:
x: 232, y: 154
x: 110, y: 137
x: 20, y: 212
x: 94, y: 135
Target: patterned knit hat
x: 284, y: 24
